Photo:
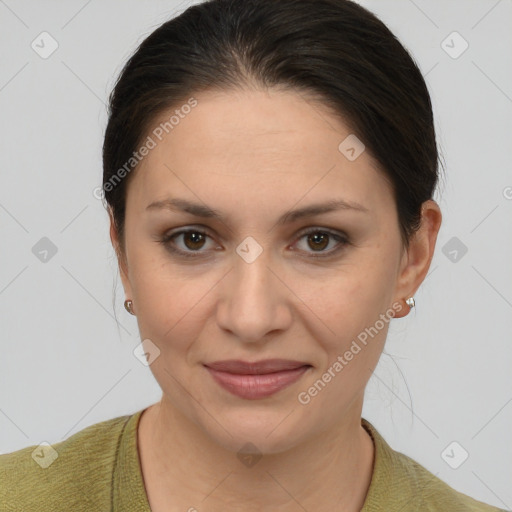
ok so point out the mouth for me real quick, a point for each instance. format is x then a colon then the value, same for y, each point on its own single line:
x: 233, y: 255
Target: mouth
x: 256, y: 380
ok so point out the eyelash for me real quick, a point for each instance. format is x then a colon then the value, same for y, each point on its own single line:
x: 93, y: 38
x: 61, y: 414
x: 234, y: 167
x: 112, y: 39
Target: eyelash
x: 166, y: 241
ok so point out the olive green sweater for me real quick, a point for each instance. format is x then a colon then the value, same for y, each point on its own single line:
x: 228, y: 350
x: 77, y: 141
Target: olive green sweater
x: 98, y: 470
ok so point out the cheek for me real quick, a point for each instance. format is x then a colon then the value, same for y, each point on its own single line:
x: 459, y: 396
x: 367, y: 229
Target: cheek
x: 352, y: 297
x: 353, y: 309
x: 335, y: 305
x: 171, y: 312
x: 167, y: 300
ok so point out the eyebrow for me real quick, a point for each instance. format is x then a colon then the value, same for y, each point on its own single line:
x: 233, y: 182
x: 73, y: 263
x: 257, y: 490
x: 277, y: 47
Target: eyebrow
x: 201, y: 210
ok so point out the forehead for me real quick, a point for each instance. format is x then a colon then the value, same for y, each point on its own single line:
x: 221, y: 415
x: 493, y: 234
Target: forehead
x: 268, y: 146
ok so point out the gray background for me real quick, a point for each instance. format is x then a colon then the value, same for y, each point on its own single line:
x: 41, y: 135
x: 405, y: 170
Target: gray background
x: 66, y: 364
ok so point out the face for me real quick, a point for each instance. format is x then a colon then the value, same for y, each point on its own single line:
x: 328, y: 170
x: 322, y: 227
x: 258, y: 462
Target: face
x: 250, y: 284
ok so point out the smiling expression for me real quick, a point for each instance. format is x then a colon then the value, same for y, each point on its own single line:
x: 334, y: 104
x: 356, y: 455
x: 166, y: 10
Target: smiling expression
x: 250, y: 236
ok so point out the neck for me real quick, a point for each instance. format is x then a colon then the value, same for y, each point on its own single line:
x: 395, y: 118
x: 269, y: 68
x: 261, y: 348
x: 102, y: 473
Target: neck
x: 183, y: 466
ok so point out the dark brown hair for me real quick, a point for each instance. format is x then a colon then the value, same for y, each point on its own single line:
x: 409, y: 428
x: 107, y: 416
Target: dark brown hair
x: 335, y: 50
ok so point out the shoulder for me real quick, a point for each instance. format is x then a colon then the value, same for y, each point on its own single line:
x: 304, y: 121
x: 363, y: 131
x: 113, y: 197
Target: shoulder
x: 401, y: 483
x: 435, y: 494
x: 73, y: 474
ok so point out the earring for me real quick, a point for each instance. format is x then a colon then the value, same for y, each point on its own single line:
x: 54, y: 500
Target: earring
x: 410, y: 302
x: 128, y: 305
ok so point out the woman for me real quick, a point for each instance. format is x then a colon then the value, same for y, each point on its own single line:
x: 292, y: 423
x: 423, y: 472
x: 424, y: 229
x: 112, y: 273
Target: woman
x: 269, y: 169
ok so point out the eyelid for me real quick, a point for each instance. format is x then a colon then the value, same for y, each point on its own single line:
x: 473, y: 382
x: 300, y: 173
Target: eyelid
x: 166, y: 239
x: 341, y: 237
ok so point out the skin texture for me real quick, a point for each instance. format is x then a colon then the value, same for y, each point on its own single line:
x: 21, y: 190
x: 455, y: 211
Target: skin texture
x: 254, y: 155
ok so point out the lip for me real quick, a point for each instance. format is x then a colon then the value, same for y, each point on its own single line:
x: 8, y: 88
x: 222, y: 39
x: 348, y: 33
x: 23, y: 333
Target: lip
x: 256, y: 367
x: 255, y: 380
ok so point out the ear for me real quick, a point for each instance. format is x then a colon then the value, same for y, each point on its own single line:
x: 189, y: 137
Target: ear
x: 417, y: 258
x: 121, y: 257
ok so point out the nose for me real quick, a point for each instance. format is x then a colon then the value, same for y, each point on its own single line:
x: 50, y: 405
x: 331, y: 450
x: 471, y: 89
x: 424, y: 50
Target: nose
x: 254, y: 300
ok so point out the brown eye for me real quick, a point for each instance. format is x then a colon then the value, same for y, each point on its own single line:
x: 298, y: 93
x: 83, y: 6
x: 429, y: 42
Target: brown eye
x: 193, y: 240
x: 189, y: 242
x: 318, y: 240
